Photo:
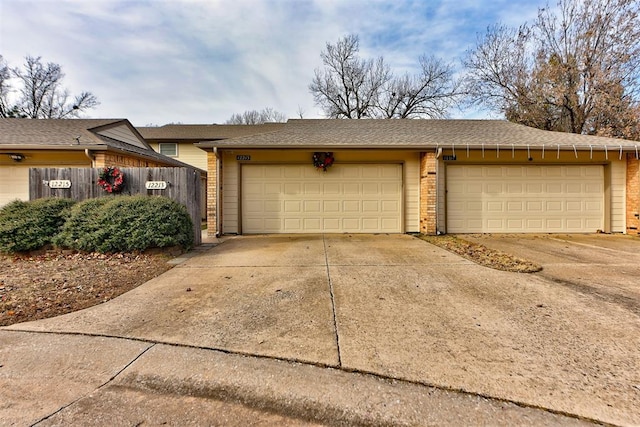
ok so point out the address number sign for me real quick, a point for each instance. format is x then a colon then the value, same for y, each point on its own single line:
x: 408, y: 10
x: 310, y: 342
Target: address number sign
x: 155, y: 185
x: 59, y: 183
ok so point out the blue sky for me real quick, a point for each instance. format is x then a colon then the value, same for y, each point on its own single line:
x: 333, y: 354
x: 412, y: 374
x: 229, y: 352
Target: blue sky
x: 162, y: 61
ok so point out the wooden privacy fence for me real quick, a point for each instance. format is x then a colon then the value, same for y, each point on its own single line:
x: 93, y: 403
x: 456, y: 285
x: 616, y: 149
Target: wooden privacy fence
x: 182, y: 185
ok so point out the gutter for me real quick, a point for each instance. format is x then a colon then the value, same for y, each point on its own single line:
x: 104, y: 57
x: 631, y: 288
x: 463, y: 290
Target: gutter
x: 617, y: 147
x: 90, y: 155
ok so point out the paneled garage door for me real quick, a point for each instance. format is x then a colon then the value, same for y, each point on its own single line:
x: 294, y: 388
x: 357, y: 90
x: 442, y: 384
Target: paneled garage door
x: 14, y: 184
x: 523, y: 199
x: 348, y: 198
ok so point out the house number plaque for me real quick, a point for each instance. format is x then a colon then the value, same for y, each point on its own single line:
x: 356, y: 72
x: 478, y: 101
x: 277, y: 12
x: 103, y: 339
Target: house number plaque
x: 243, y: 157
x: 155, y: 185
x: 59, y: 183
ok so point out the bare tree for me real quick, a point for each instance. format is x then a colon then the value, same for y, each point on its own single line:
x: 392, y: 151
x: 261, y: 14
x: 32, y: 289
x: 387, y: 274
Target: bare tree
x: 354, y: 88
x: 429, y: 94
x: 575, y: 69
x: 348, y: 86
x: 41, y: 95
x: 255, y: 117
x: 5, y: 88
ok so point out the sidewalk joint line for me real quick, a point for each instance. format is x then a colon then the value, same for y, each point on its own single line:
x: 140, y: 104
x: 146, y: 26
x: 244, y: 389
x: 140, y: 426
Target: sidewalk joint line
x: 310, y: 363
x: 63, y: 407
x: 333, y: 301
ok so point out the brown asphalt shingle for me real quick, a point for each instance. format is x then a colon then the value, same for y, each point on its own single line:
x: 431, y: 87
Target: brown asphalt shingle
x: 62, y: 134
x: 332, y: 133
x: 53, y: 132
x: 205, y: 132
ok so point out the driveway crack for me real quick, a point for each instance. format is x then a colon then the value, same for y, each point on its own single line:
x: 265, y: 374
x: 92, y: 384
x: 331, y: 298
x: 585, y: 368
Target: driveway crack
x: 101, y: 386
x: 333, y: 301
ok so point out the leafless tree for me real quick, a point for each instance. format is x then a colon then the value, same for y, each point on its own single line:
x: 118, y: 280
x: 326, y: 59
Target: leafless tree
x: 429, y: 94
x: 41, y: 95
x: 575, y: 69
x: 255, y: 117
x: 348, y: 87
x: 355, y: 88
x: 5, y: 75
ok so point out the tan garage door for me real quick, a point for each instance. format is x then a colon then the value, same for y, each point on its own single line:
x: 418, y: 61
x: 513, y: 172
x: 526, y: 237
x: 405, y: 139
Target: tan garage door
x: 523, y: 199
x: 348, y: 198
x: 14, y: 184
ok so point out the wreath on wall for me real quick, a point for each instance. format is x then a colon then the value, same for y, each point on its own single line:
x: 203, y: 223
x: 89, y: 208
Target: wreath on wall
x: 323, y: 160
x: 111, y: 179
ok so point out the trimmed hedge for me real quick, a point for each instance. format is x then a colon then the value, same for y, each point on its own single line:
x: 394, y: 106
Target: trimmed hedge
x: 108, y: 224
x: 82, y: 229
x: 27, y: 226
x: 127, y: 223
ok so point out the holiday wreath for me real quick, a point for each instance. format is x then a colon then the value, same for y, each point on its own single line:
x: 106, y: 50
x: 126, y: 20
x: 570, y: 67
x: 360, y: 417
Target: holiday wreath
x: 111, y: 179
x: 322, y: 160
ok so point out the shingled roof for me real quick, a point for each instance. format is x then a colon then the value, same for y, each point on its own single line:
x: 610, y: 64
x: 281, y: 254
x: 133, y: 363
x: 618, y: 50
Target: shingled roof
x: 77, y: 134
x: 52, y: 132
x: 205, y: 132
x: 416, y: 134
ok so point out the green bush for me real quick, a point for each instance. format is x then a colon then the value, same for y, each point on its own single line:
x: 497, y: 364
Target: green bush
x: 83, y: 228
x: 27, y: 226
x: 127, y: 223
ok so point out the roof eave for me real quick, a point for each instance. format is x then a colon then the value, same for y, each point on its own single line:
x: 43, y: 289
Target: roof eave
x: 625, y: 147
x: 72, y: 147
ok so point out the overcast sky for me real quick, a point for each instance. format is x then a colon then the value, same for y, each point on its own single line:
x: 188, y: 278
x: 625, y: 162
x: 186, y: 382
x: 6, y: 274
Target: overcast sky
x: 157, y: 62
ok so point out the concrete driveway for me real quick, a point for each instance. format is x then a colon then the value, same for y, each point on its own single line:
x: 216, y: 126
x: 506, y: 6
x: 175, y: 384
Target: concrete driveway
x: 398, y: 308
x: 604, y: 266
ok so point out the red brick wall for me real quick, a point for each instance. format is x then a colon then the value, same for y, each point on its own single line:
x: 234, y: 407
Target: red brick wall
x: 633, y: 194
x: 428, y: 193
x: 109, y: 159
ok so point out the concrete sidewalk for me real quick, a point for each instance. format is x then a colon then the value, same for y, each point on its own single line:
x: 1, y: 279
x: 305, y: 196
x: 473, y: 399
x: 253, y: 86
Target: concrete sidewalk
x: 329, y: 329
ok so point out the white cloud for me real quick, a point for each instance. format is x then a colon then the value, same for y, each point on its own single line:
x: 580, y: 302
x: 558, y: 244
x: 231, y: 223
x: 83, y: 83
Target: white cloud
x: 201, y: 61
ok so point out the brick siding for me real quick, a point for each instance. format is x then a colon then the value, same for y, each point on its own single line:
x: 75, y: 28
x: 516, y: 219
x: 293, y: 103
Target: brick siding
x: 109, y: 159
x: 428, y: 196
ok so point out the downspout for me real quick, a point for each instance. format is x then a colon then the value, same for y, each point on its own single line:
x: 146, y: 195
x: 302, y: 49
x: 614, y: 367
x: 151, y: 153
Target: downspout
x: 90, y: 156
x: 218, y: 224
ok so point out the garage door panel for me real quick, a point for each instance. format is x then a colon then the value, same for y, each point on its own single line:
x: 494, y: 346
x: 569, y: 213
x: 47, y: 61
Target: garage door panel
x: 331, y: 206
x: 351, y: 206
x: 515, y: 224
x: 312, y: 206
x: 347, y: 198
x: 351, y: 188
x: 268, y: 188
x: 258, y: 206
x: 329, y: 225
x: 271, y: 206
x: 390, y: 206
x: 292, y: 206
x: 268, y: 173
x: 518, y: 198
x: 514, y: 206
x: 312, y: 224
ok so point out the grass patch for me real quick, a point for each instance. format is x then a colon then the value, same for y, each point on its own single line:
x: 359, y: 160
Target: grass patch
x: 482, y: 255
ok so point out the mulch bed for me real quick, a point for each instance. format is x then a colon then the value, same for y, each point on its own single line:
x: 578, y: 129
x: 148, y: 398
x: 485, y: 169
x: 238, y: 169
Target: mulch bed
x: 55, y: 283
x: 482, y: 255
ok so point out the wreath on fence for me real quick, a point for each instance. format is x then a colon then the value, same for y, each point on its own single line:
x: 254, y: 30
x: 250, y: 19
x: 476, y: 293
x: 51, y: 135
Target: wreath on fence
x: 323, y: 160
x: 111, y: 179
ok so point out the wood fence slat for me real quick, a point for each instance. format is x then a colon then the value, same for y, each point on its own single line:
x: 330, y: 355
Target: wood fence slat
x: 183, y: 186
